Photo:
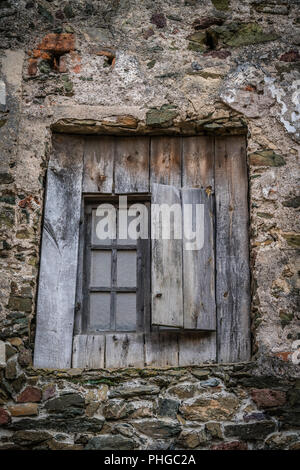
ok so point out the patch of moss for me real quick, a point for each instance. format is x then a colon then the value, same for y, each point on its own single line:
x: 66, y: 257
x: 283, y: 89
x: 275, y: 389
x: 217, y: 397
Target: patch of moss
x: 222, y: 5
x: 241, y: 34
x: 266, y: 157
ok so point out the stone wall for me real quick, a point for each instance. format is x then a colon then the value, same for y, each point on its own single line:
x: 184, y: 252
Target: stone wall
x: 132, y: 67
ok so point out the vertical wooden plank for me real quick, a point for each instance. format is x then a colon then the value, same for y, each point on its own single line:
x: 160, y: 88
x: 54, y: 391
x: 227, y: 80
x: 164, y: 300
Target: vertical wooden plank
x: 124, y: 350
x: 161, y: 349
x: 98, y: 164
x: 232, y: 250
x: 78, y: 318
x: 58, y: 267
x: 165, y: 160
x: 167, y: 298
x: 198, y: 162
x: 88, y: 351
x: 199, y: 264
x: 196, y: 348
x: 131, y: 174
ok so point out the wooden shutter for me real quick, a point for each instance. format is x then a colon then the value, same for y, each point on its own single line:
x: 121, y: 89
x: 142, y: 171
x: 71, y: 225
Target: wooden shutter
x: 183, y: 281
x: 232, y: 250
x: 199, y: 267
x: 167, y: 298
x: 58, y: 268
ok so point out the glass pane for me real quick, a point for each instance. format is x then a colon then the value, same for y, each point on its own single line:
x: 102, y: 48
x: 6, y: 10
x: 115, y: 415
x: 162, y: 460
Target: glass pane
x: 126, y: 268
x: 103, y: 227
x: 126, y: 312
x: 99, y: 311
x: 100, y: 268
x: 123, y: 225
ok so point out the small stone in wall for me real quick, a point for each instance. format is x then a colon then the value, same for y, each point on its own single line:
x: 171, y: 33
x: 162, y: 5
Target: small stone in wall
x: 266, y: 157
x: 109, y: 442
x: 251, y: 431
x: 49, y: 391
x: 11, y: 370
x: 30, y: 394
x: 159, y: 20
x: 26, y: 409
x: 233, y: 445
x: 4, y: 417
x: 266, y: 398
x: 290, y: 56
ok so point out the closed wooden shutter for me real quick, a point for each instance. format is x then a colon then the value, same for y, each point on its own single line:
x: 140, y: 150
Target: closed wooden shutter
x: 58, y: 268
x: 183, y: 280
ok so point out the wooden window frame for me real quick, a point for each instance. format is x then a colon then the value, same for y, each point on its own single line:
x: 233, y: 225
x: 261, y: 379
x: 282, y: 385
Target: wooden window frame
x: 143, y: 273
x: 71, y: 173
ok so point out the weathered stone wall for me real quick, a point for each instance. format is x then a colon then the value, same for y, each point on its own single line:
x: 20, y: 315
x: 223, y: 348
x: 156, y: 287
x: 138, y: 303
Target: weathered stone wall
x: 177, y: 67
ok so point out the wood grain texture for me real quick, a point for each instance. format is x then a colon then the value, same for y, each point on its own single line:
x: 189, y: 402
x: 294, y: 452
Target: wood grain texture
x: 167, y: 299
x: 88, y: 351
x: 196, y: 348
x: 131, y: 174
x: 199, y: 265
x: 165, y: 160
x: 124, y: 350
x: 58, y: 268
x: 98, y: 164
x: 198, y: 162
x: 232, y: 250
x: 161, y: 349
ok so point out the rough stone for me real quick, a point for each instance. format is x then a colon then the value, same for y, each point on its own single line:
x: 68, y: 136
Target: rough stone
x: 26, y: 409
x: 190, y: 438
x: 266, y: 158
x: 11, y: 370
x: 132, y: 391
x: 31, y: 394
x: 110, y: 442
x: 233, y: 445
x: 162, y: 117
x: 4, y: 417
x: 30, y: 438
x: 59, y: 423
x: 158, y: 428
x: 168, y: 407
x: 70, y: 404
x: 206, y: 409
x: 251, y: 431
x: 265, y: 397
x: 280, y: 440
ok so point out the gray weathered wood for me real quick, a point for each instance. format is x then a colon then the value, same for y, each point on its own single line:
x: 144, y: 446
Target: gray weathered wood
x: 124, y: 350
x: 58, y: 268
x: 196, y: 348
x: 232, y: 250
x: 131, y: 174
x: 198, y: 162
x: 167, y: 299
x: 88, y: 351
x: 98, y: 164
x: 161, y: 349
x: 165, y: 160
x: 199, y: 265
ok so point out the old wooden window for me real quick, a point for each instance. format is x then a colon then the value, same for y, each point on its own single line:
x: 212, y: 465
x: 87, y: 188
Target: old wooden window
x: 149, y: 303
x: 116, y: 276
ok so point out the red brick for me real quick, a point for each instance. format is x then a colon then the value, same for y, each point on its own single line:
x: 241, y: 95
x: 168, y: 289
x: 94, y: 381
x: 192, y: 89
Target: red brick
x: 58, y: 43
x: 233, y: 445
x: 30, y: 394
x: 267, y: 398
x: 4, y: 416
